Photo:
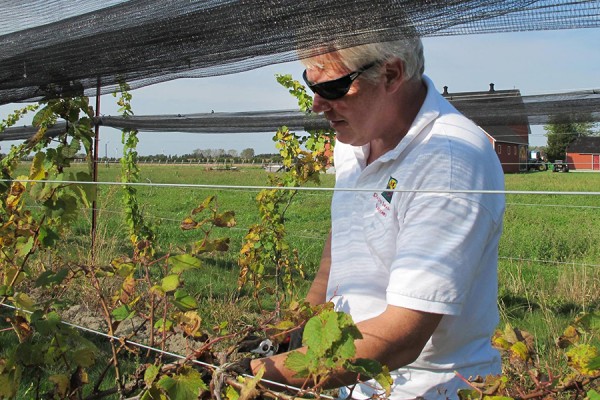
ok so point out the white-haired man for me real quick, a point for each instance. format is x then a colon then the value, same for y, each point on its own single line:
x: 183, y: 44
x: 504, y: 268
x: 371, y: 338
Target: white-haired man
x: 413, y: 259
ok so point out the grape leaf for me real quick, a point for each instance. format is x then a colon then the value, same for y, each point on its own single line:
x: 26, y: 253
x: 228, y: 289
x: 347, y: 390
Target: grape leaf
x: 170, y: 283
x: 187, y: 384
x: 183, y: 262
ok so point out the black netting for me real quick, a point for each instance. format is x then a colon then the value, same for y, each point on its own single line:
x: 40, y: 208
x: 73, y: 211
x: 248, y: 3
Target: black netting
x: 487, y: 109
x: 50, y: 47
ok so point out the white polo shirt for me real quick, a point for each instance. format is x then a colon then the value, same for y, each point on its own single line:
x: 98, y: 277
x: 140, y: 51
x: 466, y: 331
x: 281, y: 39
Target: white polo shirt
x: 429, y: 247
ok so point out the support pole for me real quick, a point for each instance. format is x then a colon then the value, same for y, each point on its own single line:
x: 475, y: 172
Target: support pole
x: 95, y: 170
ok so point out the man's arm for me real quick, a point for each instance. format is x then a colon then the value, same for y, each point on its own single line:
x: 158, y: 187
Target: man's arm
x: 395, y: 338
x: 317, y: 294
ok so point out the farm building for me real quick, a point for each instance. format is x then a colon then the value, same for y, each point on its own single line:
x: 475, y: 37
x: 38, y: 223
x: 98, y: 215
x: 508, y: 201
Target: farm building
x: 511, y: 141
x: 584, y: 154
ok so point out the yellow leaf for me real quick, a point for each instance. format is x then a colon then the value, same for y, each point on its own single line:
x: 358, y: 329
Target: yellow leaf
x: 520, y: 350
x: 190, y: 323
x: 61, y: 383
x: 37, y: 170
x: 249, y: 390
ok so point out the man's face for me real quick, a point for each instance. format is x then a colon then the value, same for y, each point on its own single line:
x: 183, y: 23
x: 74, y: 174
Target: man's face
x: 354, y: 117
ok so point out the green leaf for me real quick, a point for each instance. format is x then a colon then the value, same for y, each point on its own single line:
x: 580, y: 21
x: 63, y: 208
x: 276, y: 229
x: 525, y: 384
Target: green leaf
x: 163, y: 325
x: 87, y: 193
x: 364, y: 366
x: 170, y: 283
x: 183, y: 262
x: 153, y: 393
x: 321, y: 331
x: 372, y: 369
x: 594, y: 363
x: 29, y: 355
x: 22, y: 300
x: 24, y: 247
x: 84, y: 357
x: 125, y: 269
x: 71, y: 150
x: 54, y: 208
x: 48, y: 324
x: 122, y: 313
x: 299, y: 363
x: 48, y: 278
x: 61, y: 382
x: 468, y: 394
x: 593, y: 395
x: 43, y: 115
x: 184, y: 301
x: 150, y: 374
x: 48, y: 237
x: 186, y: 385
x: 10, y: 379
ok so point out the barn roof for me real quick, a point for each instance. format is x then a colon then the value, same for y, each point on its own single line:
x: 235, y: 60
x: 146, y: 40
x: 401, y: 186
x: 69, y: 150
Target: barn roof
x: 586, y: 144
x: 504, y: 134
x: 482, y: 105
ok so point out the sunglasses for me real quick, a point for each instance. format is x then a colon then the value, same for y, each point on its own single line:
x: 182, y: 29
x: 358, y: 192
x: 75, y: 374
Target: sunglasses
x: 336, y: 88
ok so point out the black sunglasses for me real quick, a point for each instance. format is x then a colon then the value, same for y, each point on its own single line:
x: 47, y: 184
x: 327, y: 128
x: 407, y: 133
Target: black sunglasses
x: 336, y: 88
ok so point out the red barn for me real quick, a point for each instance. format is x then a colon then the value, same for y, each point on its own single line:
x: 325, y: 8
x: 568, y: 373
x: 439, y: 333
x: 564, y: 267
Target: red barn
x: 584, y: 154
x: 511, y: 140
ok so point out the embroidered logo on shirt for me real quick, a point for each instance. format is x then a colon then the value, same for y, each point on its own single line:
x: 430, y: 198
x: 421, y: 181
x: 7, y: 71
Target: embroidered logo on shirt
x: 390, y: 185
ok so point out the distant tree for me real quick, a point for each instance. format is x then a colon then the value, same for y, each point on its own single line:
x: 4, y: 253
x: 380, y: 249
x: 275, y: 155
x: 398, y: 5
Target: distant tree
x: 562, y: 134
x: 206, y: 153
x: 218, y: 153
x: 233, y: 153
x: 247, y: 154
x: 199, y: 153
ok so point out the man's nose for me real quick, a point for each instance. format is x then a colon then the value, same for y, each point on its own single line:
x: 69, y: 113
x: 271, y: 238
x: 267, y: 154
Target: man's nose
x: 320, y: 104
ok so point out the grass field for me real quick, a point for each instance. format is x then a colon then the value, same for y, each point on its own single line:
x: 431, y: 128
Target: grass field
x: 549, y: 255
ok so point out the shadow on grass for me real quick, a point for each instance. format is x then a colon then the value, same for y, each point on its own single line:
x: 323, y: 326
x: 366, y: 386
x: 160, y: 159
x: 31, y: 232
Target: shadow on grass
x: 517, y: 306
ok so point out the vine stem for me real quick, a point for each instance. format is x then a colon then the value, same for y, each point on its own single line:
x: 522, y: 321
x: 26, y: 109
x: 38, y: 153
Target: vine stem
x: 107, y: 318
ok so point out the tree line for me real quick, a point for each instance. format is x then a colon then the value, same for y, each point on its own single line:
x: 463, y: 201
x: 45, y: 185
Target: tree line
x: 217, y: 156
x: 561, y: 134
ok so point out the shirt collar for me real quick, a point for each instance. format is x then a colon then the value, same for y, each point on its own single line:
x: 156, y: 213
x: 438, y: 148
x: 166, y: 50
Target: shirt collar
x: 430, y: 109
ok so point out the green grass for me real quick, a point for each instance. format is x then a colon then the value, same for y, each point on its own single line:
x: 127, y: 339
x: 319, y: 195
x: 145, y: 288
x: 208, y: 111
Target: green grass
x: 550, y: 259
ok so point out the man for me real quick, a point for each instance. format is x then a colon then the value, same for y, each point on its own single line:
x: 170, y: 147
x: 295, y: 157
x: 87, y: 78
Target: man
x: 416, y: 268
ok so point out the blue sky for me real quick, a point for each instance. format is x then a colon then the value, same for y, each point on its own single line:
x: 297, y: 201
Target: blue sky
x: 534, y: 62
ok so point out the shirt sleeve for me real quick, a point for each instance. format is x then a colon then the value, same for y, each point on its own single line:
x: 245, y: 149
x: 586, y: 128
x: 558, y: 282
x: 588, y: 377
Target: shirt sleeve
x: 439, y: 253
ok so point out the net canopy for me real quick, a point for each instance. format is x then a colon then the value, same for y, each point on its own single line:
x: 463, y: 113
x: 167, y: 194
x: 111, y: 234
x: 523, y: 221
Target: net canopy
x: 485, y: 109
x: 52, y: 48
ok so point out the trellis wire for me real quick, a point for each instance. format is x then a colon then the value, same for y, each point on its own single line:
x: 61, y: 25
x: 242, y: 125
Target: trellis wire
x: 300, y: 188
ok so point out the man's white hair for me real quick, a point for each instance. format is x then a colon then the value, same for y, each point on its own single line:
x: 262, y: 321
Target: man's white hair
x: 409, y: 50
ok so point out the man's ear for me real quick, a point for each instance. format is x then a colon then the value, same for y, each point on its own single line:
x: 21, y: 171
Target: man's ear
x: 393, y: 74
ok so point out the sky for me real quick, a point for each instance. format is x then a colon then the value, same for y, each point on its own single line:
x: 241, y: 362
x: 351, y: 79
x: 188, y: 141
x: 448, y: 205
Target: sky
x: 533, y: 62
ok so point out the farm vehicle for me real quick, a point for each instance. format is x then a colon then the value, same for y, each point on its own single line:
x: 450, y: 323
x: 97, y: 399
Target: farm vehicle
x: 560, y: 166
x: 537, y: 161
